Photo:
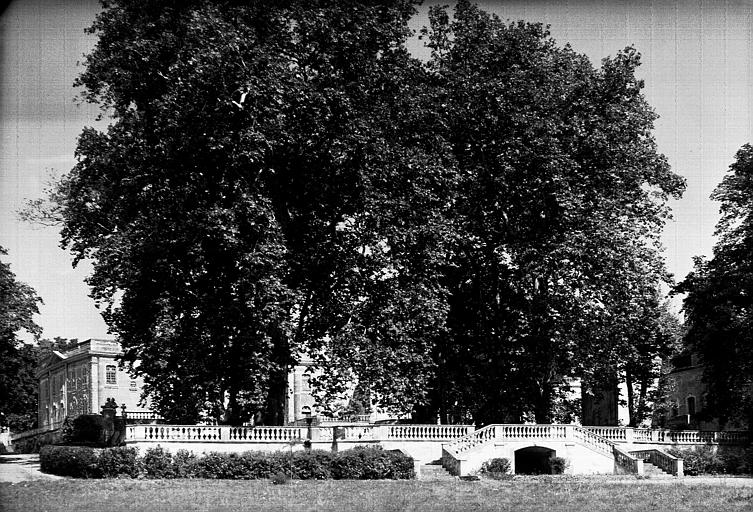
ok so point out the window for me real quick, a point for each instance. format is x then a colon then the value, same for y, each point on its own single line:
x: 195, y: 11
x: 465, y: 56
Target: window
x: 691, y: 405
x: 133, y: 386
x: 110, y: 373
x: 306, y: 383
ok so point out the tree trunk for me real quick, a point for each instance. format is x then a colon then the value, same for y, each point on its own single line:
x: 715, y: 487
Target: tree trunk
x: 631, y: 398
x: 543, y: 406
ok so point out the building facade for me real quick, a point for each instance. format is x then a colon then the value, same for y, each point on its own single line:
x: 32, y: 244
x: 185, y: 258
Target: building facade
x: 80, y: 380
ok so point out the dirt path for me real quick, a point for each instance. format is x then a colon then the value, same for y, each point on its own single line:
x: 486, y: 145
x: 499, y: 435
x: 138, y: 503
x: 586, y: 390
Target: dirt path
x: 22, y: 468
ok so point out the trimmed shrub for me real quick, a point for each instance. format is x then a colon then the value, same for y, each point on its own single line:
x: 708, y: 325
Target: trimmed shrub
x: 183, y: 464
x: 221, y: 466
x: 496, y: 468
x: 360, y: 464
x: 121, y: 461
x: 557, y: 465
x: 75, y: 461
x: 159, y: 463
x: 312, y: 465
x: 372, y: 463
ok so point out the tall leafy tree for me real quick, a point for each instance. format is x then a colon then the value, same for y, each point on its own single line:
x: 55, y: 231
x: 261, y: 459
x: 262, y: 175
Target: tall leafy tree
x: 251, y: 200
x: 718, y: 306
x: 283, y: 178
x: 563, y: 200
x: 18, y: 395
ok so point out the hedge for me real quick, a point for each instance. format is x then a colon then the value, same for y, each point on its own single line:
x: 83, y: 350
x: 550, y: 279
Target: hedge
x: 358, y: 464
x: 709, y: 460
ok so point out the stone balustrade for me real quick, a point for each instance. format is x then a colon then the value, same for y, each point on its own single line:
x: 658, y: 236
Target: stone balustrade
x: 628, y: 462
x: 662, y: 459
x: 654, y: 436
x: 261, y: 434
x: 143, y: 416
x: 427, y: 432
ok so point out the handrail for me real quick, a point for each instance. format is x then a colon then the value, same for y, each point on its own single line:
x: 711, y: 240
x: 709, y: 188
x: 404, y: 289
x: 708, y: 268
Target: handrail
x: 669, y: 463
x: 663, y: 436
x: 628, y: 461
x: 593, y: 440
x: 262, y: 434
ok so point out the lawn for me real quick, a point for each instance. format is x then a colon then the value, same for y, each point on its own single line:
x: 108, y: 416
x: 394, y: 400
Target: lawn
x: 546, y: 494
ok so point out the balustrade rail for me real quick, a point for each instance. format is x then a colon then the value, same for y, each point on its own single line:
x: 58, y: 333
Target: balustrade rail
x: 650, y: 435
x: 260, y: 434
x: 427, y: 432
x: 662, y: 459
x: 143, y: 416
x: 594, y: 441
x: 628, y: 461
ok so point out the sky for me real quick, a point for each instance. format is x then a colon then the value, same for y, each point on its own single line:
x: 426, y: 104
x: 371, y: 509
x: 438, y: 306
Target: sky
x: 697, y: 65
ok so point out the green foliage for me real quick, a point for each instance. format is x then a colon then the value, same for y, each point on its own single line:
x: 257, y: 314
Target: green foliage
x: 119, y: 461
x: 75, y: 461
x: 497, y: 468
x: 87, y: 428
x: 284, y: 178
x: 558, y: 465
x: 312, y: 465
x: 719, y: 306
x: 359, y: 464
x: 712, y: 460
x: 18, y: 305
x: 372, y: 464
x: 159, y: 463
x: 563, y: 197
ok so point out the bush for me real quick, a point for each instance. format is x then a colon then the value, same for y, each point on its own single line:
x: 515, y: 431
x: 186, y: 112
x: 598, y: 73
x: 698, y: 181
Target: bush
x: 705, y: 460
x: 372, y: 464
x: 183, y: 464
x: 496, y: 468
x: 312, y: 465
x: 699, y: 460
x: 88, y: 429
x: 557, y: 465
x: 360, y: 463
x: 75, y: 461
x: 158, y: 463
x: 122, y: 461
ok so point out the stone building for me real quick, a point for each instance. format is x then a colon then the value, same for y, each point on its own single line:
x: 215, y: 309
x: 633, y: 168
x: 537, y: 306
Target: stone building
x: 80, y: 380
x: 685, y: 394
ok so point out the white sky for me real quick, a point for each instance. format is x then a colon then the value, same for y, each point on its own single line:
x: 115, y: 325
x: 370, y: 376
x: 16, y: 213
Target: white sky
x: 698, y: 67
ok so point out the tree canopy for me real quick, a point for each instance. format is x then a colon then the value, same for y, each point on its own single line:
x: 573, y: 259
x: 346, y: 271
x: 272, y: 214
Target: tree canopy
x: 18, y: 305
x: 719, y: 307
x: 283, y: 179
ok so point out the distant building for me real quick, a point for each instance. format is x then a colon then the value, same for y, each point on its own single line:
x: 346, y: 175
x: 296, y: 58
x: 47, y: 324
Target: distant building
x: 80, y: 380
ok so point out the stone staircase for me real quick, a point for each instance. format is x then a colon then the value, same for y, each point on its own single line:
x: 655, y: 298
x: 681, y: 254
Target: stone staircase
x: 652, y: 471
x: 434, y: 471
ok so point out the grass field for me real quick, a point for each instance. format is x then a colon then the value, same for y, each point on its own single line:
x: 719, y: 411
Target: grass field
x: 519, y: 495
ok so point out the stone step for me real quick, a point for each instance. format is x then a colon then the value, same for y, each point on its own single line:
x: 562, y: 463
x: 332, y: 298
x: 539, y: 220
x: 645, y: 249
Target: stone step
x: 434, y: 472
x: 654, y: 471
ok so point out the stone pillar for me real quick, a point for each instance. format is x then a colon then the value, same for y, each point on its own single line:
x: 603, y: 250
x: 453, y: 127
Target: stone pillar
x: 629, y: 437
x: 94, y: 385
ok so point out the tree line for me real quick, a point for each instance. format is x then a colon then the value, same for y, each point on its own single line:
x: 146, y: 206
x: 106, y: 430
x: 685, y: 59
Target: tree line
x: 458, y: 236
